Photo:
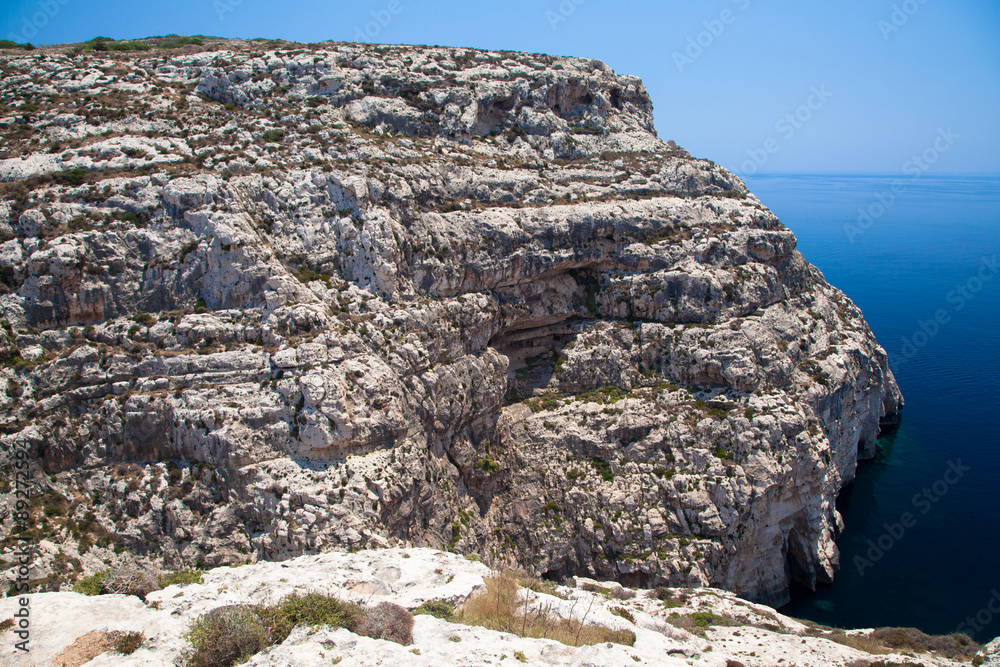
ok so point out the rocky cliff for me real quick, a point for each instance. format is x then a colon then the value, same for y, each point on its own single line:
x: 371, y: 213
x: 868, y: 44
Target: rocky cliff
x: 266, y: 299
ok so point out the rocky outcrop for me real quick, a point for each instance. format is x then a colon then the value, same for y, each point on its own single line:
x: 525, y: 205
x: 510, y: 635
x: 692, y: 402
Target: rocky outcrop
x: 732, y: 631
x: 264, y: 302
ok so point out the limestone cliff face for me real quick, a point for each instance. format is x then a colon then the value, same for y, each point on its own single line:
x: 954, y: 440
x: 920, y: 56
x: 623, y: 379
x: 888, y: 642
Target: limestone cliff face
x: 264, y: 301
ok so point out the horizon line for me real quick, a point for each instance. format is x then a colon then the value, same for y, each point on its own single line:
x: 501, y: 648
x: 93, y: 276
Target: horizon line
x: 878, y: 174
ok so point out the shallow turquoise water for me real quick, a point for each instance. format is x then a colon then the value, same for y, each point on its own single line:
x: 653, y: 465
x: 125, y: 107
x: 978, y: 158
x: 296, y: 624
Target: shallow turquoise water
x: 919, y: 256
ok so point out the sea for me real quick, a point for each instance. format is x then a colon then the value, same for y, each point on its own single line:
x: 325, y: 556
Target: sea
x: 921, y: 547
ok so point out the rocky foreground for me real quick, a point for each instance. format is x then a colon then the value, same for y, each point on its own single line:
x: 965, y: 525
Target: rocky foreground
x: 729, y: 631
x: 264, y: 299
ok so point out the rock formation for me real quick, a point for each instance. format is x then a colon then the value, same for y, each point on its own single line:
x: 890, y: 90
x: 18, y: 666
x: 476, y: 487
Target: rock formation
x: 268, y: 299
x: 722, y: 630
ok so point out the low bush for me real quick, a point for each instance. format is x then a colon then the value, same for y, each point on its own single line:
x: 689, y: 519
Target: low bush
x: 9, y: 44
x: 181, y: 577
x: 232, y: 634
x: 953, y: 647
x: 669, y: 599
x: 387, y: 621
x: 273, y: 135
x: 623, y: 613
x: 71, y: 177
x: 697, y: 622
x: 227, y: 636
x: 958, y: 647
x: 316, y: 609
x: 92, y: 585
x: 124, y: 580
x: 487, y: 465
x: 131, y: 580
x: 126, y: 643
x: 622, y: 593
x: 436, y: 608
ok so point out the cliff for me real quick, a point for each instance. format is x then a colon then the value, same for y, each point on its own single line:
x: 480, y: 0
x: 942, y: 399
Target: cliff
x: 269, y: 299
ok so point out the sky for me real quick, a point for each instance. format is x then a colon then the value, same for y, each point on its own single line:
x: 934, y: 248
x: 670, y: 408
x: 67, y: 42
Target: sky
x: 854, y: 86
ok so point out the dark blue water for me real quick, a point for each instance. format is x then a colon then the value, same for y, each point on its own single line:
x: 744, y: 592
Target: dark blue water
x: 919, y: 256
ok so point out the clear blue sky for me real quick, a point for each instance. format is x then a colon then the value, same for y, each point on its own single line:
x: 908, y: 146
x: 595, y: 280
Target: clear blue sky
x: 892, y: 89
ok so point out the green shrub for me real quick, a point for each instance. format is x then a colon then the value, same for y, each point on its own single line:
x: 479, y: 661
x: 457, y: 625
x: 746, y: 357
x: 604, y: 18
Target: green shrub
x: 273, y: 135
x: 624, y: 613
x: 181, y: 577
x: 307, y: 275
x: 317, y: 609
x: 176, y: 42
x: 71, y: 177
x: 232, y: 634
x: 548, y: 401
x: 603, y: 396
x: 603, y: 469
x: 436, y: 608
x: 227, y: 636
x: 704, y: 619
x: 667, y: 597
x: 125, y: 580
x: 126, y: 643
x: 514, y: 132
x: 6, y: 624
x: 92, y: 585
x: 487, y: 465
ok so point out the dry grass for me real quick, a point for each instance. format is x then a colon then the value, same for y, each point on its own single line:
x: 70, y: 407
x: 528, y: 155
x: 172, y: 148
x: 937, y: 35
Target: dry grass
x: 87, y: 647
x: 901, y: 640
x: 954, y: 646
x: 501, y: 607
x: 858, y: 642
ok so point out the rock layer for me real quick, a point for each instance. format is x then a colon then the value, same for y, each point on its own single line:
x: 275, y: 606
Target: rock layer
x: 266, y: 300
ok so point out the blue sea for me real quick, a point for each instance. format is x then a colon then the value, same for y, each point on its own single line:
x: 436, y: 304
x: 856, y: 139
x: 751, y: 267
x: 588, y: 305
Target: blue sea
x: 921, y: 546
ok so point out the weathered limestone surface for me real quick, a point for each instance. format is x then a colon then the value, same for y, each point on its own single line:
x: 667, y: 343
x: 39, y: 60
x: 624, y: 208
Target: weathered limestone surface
x: 756, y: 636
x: 270, y: 301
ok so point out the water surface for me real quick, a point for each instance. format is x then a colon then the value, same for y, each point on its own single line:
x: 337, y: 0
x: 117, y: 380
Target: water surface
x: 919, y: 254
